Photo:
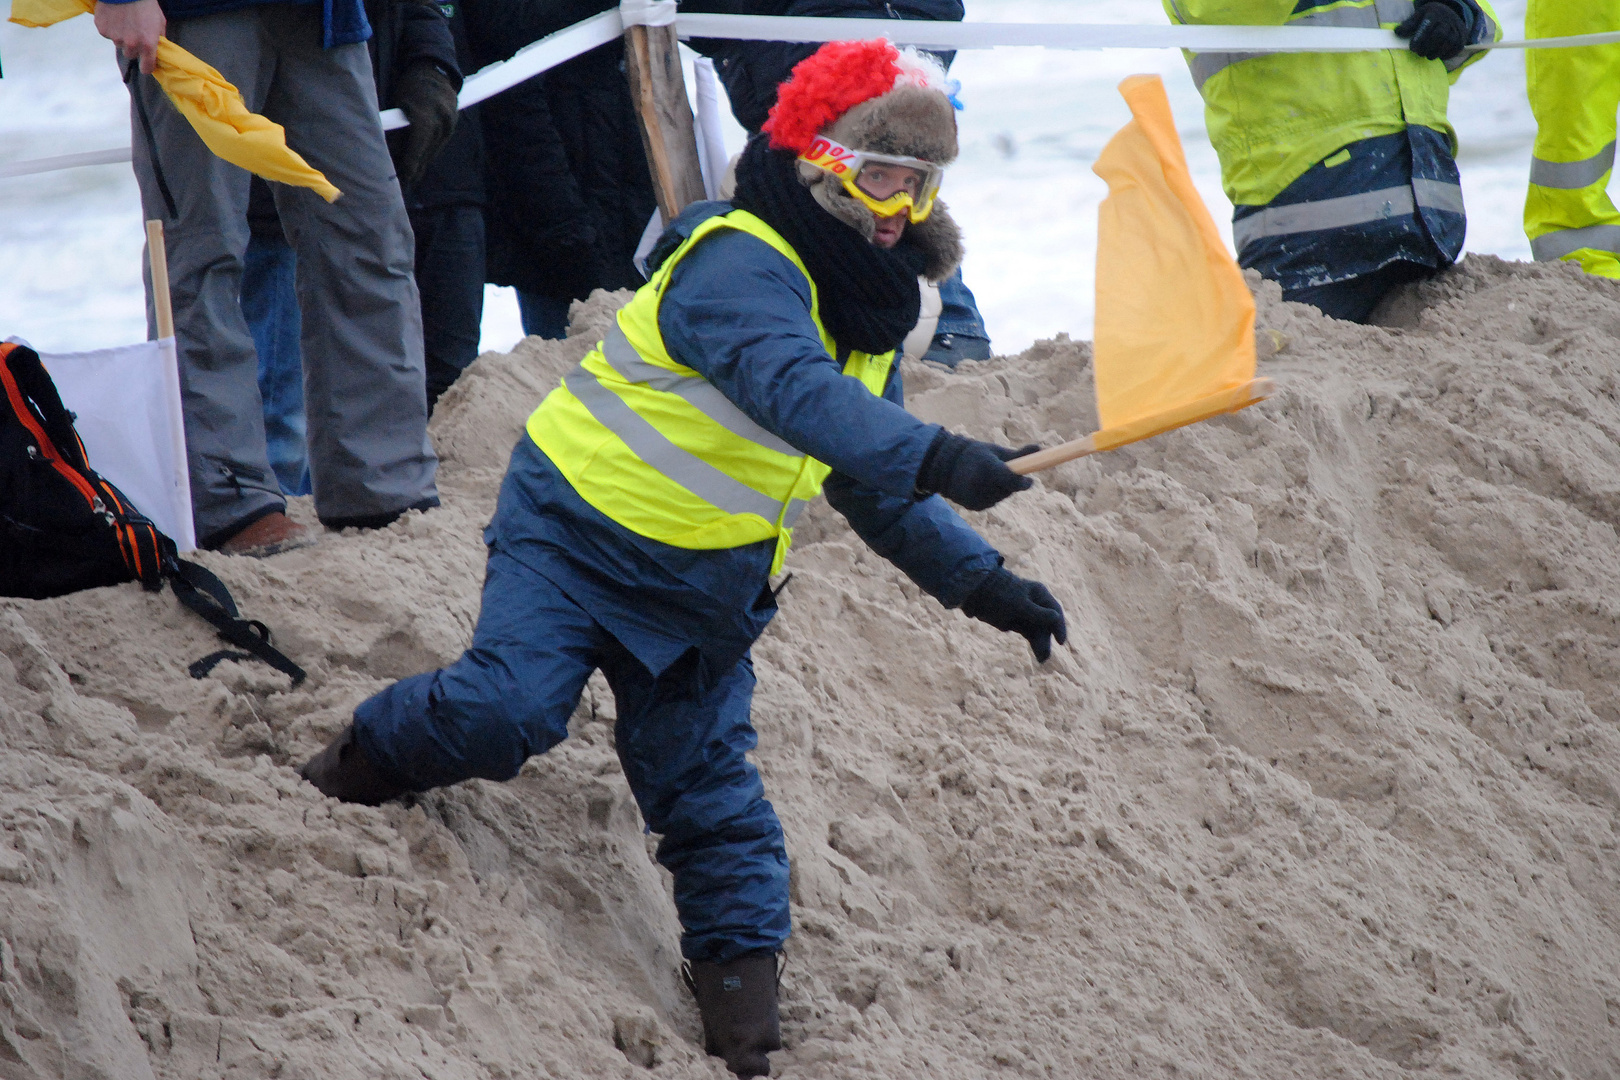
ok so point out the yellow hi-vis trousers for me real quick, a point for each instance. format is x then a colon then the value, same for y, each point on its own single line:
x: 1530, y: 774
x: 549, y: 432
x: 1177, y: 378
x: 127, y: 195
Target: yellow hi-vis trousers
x: 1574, y: 94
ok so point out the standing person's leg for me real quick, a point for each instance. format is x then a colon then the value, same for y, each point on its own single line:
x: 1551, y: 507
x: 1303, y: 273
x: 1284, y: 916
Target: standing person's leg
x: 544, y: 316
x: 450, y: 277
x: 684, y: 749
x: 1574, y: 94
x: 270, y: 305
x: 202, y: 202
x: 960, y: 333
x: 364, y: 391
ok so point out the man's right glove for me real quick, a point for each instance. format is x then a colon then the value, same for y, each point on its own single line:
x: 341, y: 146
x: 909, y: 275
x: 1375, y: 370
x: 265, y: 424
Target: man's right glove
x: 1439, y: 29
x: 1008, y: 602
x: 970, y: 473
x: 427, y: 97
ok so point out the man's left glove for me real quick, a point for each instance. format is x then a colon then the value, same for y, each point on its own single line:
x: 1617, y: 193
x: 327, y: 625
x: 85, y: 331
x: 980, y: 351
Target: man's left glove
x: 1008, y: 602
x: 428, y: 99
x: 1439, y: 29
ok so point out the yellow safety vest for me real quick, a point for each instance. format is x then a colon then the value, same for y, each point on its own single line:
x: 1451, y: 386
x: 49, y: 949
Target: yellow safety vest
x: 1272, y: 116
x: 656, y: 447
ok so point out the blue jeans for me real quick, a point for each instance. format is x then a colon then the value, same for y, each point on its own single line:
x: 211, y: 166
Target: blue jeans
x: 959, y: 314
x: 544, y: 316
x: 682, y: 741
x: 270, y: 306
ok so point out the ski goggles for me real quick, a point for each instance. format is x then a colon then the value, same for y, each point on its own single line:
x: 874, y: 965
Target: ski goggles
x: 887, y: 184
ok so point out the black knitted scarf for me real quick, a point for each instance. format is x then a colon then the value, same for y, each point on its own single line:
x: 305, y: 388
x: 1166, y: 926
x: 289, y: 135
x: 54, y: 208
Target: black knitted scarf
x: 868, y: 295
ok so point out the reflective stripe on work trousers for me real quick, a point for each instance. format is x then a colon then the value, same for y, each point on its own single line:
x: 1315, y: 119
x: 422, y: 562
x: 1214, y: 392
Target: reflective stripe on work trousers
x: 1562, y: 242
x: 1347, y: 210
x: 655, y: 446
x: 1569, y: 175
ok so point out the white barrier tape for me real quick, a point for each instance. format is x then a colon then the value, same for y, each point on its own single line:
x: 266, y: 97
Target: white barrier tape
x: 954, y: 35
x: 966, y: 35
x: 647, y: 12
x: 529, y: 61
x: 598, y: 30
x: 1608, y: 37
x: 66, y: 161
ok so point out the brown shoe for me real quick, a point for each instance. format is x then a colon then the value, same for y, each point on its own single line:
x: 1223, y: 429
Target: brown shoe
x: 273, y: 533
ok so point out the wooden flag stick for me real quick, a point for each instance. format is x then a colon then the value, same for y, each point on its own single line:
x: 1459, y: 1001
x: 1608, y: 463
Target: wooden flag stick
x: 1248, y: 394
x: 159, y: 257
x: 653, y: 65
x: 1053, y: 455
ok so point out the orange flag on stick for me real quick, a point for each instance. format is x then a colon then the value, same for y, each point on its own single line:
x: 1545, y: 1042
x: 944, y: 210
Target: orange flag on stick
x: 209, y: 101
x: 1174, y: 341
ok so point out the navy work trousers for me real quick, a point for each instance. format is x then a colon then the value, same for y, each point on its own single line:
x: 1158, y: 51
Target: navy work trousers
x: 682, y: 740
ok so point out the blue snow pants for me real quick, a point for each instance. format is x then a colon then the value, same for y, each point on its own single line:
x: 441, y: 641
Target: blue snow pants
x: 682, y: 741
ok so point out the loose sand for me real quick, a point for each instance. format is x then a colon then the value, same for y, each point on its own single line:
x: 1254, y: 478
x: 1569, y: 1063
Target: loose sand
x: 1325, y: 784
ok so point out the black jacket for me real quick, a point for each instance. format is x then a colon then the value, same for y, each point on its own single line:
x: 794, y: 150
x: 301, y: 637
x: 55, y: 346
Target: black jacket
x: 569, y: 189
x: 752, y: 70
x: 407, y: 32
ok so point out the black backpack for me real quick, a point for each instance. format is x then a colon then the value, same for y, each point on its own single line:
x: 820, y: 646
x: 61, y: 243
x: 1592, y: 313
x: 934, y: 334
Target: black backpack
x: 63, y: 527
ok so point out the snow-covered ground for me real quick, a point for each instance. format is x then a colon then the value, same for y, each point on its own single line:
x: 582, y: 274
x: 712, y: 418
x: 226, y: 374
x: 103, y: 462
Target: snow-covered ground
x: 1023, y: 188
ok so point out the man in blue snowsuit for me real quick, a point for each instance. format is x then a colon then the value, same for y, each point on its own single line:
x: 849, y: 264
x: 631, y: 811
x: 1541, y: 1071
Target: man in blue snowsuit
x: 641, y: 517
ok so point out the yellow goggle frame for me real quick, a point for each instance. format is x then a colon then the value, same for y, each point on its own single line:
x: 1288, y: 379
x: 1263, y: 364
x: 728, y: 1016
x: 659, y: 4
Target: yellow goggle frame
x: 846, y: 165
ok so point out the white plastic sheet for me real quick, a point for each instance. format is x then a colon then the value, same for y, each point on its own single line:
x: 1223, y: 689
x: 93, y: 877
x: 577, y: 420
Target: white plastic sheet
x: 711, y: 145
x: 127, y: 403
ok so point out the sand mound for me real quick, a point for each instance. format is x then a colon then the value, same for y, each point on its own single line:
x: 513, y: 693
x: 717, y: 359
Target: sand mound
x: 1324, y: 786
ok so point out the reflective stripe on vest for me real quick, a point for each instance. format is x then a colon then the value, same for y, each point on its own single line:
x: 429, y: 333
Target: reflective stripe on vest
x: 1555, y: 245
x: 682, y: 466
x: 1365, y: 17
x: 699, y: 392
x: 659, y: 449
x: 1570, y: 175
x: 1347, y: 210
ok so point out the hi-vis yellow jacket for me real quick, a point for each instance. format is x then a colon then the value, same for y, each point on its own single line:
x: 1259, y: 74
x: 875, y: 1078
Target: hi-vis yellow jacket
x: 1272, y: 116
x: 656, y: 447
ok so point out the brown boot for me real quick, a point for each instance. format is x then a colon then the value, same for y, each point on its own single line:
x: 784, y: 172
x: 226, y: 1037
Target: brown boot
x: 343, y: 771
x: 737, y: 1001
x: 271, y: 534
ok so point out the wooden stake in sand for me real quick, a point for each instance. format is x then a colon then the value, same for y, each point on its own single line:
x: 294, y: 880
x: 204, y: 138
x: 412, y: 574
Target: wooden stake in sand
x: 158, y: 256
x: 1174, y: 341
x: 652, y: 63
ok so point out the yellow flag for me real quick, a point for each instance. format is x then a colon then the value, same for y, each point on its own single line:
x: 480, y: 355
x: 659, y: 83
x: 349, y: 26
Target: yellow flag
x: 206, y: 99
x: 1174, y: 339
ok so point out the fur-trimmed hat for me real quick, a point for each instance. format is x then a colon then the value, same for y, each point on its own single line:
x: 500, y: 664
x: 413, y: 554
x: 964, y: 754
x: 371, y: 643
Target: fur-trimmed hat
x: 869, y: 95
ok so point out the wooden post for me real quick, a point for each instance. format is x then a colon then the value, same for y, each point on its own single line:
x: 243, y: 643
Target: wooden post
x: 652, y: 62
x: 158, y: 255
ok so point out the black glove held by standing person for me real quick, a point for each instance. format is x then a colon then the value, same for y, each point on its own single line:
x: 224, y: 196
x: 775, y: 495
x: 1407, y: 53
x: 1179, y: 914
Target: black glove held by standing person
x: 1438, y: 28
x: 1008, y: 602
x: 427, y: 97
x: 970, y: 473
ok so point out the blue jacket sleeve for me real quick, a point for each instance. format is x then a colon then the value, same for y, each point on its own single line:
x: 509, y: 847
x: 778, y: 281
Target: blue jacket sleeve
x: 924, y: 538
x: 738, y: 312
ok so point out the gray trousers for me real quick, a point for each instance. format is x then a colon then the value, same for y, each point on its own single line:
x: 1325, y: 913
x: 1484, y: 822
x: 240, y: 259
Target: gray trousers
x: 364, y: 389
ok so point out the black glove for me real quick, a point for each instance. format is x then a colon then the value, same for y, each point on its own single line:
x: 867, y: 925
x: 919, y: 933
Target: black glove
x: 1008, y: 602
x: 969, y: 472
x: 1438, y: 28
x: 428, y: 98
